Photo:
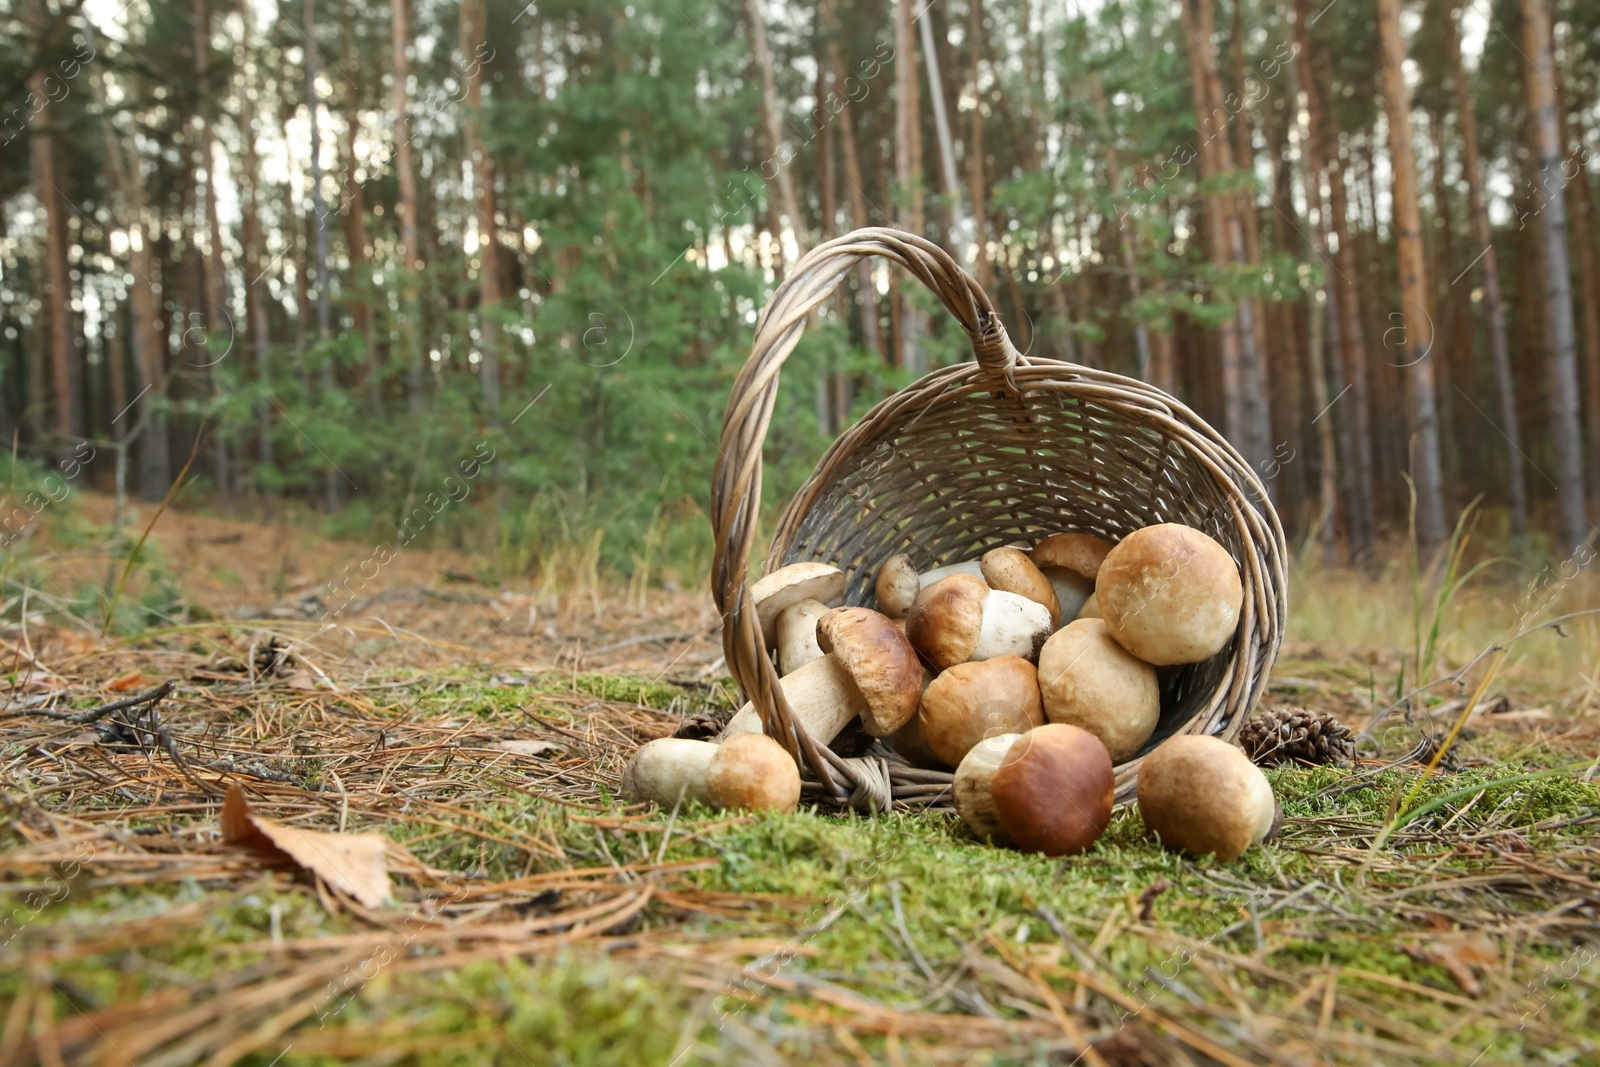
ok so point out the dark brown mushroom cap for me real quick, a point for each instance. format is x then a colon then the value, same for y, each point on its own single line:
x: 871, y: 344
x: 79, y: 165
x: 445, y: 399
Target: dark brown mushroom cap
x: 1011, y: 571
x: 1080, y: 553
x: 879, y: 660
x: 972, y: 701
x: 947, y: 618
x: 1054, y: 790
x: 1202, y: 796
x: 752, y: 772
x: 1170, y: 594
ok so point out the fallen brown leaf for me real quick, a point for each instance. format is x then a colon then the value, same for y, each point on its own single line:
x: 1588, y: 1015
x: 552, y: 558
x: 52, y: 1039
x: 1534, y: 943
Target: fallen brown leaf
x: 1462, y: 955
x: 353, y: 863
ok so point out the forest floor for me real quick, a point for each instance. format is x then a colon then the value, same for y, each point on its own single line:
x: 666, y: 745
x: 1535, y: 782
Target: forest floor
x: 533, y: 919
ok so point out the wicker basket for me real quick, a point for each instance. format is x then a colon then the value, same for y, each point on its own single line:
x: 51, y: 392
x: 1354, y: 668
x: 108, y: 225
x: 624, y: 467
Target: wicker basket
x: 1005, y: 448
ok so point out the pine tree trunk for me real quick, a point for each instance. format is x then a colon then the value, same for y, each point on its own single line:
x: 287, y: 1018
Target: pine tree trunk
x: 1561, y: 343
x: 772, y: 124
x: 1125, y: 240
x: 473, y: 22
x: 1346, y: 335
x: 1245, y: 416
x: 908, y: 174
x: 352, y: 198
x: 1493, y: 302
x: 1588, y: 296
x: 406, y: 205
x: 1254, y: 348
x: 1284, y: 348
x: 1313, y: 138
x: 215, y: 278
x: 255, y: 288
x: 1440, y: 270
x: 1416, y: 314
x: 217, y: 318
x: 974, y: 153
x: 146, y: 340
x: 957, y: 238
x: 332, y: 486
x: 870, y: 330
x: 55, y: 293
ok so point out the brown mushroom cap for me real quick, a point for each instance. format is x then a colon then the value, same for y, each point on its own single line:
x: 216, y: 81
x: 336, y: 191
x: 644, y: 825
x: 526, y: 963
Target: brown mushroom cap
x: 971, y: 788
x: 972, y: 701
x: 1054, y: 790
x: 1202, y: 796
x: 1170, y: 594
x: 1011, y: 571
x: 897, y: 586
x: 880, y: 661
x: 789, y: 585
x: 1086, y: 679
x: 946, y: 619
x: 1080, y: 553
x: 752, y: 772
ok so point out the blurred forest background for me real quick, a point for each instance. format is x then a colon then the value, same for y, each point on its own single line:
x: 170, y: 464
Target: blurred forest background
x: 335, y: 250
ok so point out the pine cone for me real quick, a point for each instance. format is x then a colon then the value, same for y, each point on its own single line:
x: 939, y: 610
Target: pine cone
x: 1287, y: 735
x: 703, y: 726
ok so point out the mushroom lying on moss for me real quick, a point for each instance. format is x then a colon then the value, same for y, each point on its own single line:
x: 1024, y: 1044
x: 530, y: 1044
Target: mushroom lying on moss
x: 1202, y: 796
x: 1053, y: 792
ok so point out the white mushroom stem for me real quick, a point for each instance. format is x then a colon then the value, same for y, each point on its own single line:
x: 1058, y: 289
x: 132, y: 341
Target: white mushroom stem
x: 822, y: 697
x: 971, y: 566
x: 671, y: 771
x: 971, y: 787
x: 1012, y: 626
x: 797, y: 635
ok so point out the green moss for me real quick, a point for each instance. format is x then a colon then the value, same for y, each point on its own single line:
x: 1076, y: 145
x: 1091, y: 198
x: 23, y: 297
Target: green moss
x: 953, y: 893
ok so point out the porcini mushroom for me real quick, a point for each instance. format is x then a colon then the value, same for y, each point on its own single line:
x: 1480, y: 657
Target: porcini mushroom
x: 1170, y: 594
x: 1070, y: 561
x: 897, y: 586
x: 797, y: 635
x: 752, y: 772
x: 1086, y: 679
x: 1080, y: 553
x: 978, y: 699
x: 789, y: 585
x: 1201, y: 795
x: 869, y: 668
x: 1054, y: 790
x: 959, y: 618
x: 881, y: 662
x: 1011, y: 571
x: 971, y: 787
x: 668, y: 771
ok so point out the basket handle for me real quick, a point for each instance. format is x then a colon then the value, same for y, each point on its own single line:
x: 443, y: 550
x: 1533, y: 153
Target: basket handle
x: 736, y: 484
